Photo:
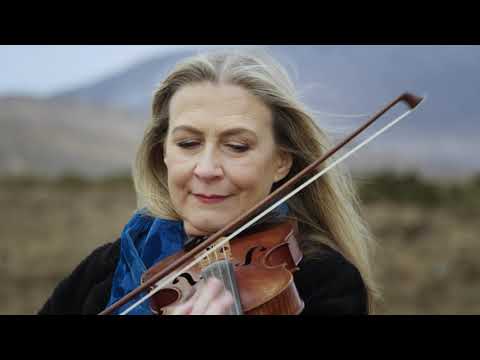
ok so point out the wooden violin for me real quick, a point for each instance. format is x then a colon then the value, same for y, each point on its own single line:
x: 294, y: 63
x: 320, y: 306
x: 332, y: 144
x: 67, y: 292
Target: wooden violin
x: 256, y: 268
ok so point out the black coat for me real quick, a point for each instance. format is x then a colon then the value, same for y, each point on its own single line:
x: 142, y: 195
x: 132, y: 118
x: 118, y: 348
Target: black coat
x: 329, y: 285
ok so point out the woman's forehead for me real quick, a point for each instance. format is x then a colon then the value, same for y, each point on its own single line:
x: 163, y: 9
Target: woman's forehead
x: 224, y: 105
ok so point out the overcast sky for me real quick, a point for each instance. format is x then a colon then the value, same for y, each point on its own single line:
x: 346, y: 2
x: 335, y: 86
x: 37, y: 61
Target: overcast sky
x: 44, y: 69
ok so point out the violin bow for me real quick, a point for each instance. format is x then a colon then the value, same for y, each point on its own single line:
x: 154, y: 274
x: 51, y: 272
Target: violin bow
x: 160, y: 280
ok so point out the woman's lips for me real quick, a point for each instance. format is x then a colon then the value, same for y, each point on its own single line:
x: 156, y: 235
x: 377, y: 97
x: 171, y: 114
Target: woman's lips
x: 210, y: 199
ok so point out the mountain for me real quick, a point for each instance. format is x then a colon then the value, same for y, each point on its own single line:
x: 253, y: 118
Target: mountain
x: 343, y: 85
x: 336, y: 79
x: 132, y: 88
x: 50, y: 138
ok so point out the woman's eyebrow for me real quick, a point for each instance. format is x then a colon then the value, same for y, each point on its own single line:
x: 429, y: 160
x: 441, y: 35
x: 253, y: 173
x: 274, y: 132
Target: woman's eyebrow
x: 186, y: 128
x: 228, y: 132
x: 236, y: 131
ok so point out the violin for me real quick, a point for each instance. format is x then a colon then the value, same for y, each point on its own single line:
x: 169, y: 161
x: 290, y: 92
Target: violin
x: 256, y: 268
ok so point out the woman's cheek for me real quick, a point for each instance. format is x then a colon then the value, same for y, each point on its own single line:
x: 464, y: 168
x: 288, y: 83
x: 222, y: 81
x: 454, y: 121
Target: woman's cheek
x: 179, y: 174
x: 250, y: 173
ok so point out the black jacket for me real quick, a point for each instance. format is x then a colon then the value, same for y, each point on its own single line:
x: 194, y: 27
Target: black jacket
x: 329, y: 285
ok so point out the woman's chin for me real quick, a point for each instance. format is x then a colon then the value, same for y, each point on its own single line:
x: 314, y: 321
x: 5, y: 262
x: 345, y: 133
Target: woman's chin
x: 201, y: 227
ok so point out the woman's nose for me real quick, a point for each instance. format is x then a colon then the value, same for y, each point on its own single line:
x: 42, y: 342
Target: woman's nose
x: 208, y: 166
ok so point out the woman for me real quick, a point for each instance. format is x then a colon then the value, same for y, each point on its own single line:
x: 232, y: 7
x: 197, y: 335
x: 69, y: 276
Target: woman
x: 227, y: 129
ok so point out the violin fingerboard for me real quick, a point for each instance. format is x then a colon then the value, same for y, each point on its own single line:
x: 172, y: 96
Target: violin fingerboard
x: 223, y: 270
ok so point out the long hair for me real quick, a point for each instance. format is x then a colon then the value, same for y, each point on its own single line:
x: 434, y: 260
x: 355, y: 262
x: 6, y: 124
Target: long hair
x: 327, y: 211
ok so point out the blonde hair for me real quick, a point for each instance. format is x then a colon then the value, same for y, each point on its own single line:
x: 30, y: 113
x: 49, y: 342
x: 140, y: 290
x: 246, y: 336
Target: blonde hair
x: 327, y: 211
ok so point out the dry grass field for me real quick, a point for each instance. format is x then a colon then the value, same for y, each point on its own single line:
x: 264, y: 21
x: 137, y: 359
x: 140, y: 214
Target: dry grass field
x: 427, y: 260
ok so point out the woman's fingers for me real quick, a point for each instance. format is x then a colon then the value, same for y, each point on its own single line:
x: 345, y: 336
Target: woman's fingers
x: 207, y: 293
x: 184, y: 308
x: 220, y: 305
x: 210, y: 298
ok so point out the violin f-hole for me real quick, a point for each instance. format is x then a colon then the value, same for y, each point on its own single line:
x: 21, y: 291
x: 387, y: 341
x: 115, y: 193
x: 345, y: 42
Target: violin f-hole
x: 187, y: 277
x: 248, y: 257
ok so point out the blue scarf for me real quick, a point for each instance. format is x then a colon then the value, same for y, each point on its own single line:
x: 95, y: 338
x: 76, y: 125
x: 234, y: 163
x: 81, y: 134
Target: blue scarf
x: 145, y: 241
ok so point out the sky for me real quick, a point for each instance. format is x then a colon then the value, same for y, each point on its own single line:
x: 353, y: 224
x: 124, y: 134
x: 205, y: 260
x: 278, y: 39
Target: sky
x: 42, y: 70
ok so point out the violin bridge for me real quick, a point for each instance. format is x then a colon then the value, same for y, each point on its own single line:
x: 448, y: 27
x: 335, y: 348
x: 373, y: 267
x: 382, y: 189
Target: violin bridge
x: 222, y: 253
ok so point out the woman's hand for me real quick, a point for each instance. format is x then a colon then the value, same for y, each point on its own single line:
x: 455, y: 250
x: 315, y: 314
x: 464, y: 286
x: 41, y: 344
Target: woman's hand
x: 210, y: 299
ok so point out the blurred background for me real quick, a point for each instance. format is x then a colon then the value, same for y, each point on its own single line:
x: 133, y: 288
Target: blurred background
x: 71, y: 118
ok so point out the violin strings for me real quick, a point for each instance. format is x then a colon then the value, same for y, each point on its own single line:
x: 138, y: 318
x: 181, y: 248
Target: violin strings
x: 232, y: 284
x: 170, y: 278
x: 222, y: 270
x: 216, y: 268
x: 219, y: 272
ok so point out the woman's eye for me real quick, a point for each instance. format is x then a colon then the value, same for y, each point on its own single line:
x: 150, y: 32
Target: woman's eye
x: 188, y: 144
x: 238, y: 147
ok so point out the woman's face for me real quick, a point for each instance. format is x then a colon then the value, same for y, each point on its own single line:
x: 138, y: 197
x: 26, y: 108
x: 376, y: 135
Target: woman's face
x: 220, y: 154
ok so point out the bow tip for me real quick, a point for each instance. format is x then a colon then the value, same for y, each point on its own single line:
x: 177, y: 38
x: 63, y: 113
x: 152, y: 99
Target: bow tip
x: 412, y: 100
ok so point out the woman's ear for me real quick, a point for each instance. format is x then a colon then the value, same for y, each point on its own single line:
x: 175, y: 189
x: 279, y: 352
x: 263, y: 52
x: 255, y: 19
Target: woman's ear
x: 284, y: 164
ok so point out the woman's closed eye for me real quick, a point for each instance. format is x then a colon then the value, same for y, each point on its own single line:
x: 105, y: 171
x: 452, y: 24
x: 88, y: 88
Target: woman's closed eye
x: 188, y: 144
x: 192, y: 144
x: 239, y: 148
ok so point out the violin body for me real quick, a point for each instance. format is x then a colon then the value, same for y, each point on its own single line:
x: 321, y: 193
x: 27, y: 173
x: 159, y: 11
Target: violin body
x: 263, y: 263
